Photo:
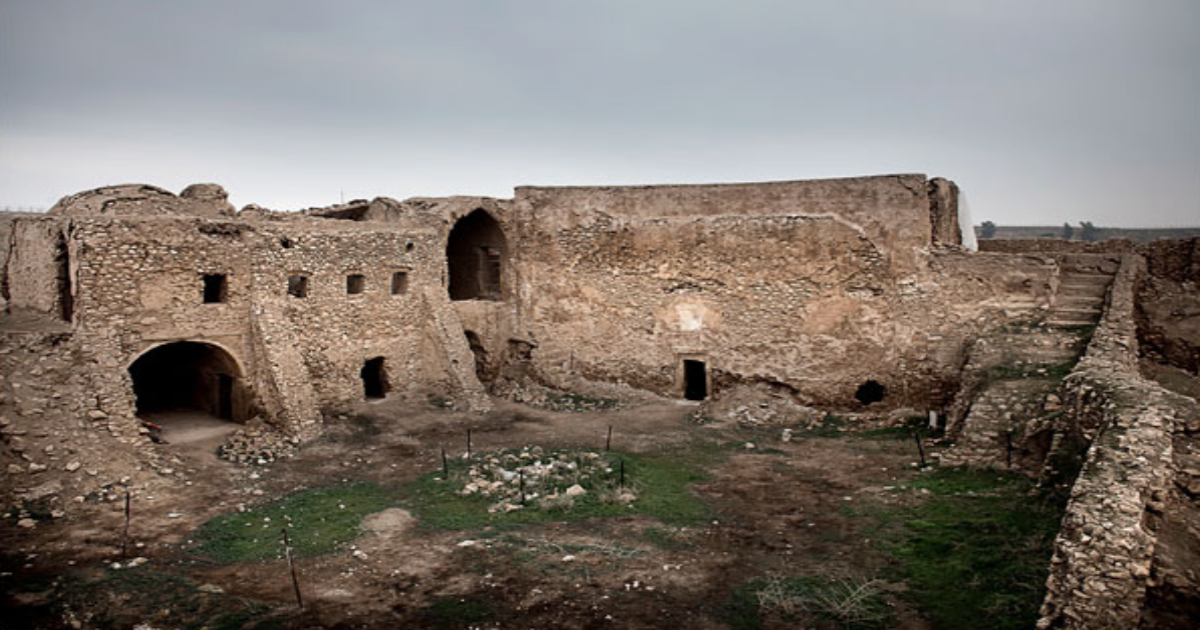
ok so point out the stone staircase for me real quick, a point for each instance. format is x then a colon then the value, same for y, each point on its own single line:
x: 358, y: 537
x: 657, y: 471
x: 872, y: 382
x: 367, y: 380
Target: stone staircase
x: 1082, y: 288
x: 460, y: 360
x: 1008, y: 395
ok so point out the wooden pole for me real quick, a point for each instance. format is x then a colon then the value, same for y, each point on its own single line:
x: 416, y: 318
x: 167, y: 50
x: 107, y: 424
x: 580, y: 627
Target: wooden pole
x: 445, y: 466
x: 622, y: 472
x: 125, y: 532
x: 468, y: 444
x: 521, y: 476
x: 608, y: 440
x: 920, y: 447
x: 287, y: 551
x: 1008, y: 448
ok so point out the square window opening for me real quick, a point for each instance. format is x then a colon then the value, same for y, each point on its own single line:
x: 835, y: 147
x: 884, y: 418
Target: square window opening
x: 297, y: 286
x: 400, y: 283
x: 356, y: 283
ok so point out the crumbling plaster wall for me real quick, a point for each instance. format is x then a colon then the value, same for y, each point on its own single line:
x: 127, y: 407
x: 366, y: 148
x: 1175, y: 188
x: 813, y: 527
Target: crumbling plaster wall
x: 817, y: 286
x: 31, y: 248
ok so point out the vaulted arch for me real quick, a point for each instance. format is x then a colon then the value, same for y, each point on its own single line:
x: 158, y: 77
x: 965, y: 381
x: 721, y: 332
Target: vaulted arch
x: 477, y: 256
x: 190, y: 375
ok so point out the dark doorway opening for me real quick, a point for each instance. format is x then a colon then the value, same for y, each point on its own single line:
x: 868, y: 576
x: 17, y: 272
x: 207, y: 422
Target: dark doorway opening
x: 66, y: 295
x: 482, y: 364
x: 216, y: 289
x: 374, y: 378
x: 476, y: 256
x: 870, y: 392
x: 695, y: 380
x: 188, y: 376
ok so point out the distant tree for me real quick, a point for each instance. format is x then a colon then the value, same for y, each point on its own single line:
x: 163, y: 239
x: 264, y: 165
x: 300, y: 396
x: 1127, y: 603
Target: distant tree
x: 1088, y: 232
x: 988, y: 230
x: 1068, y: 231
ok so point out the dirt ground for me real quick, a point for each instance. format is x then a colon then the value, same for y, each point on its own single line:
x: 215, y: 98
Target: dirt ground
x: 778, y: 509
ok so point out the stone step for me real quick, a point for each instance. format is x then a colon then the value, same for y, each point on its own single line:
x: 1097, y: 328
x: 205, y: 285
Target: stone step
x: 1079, y: 277
x: 1069, y: 323
x: 1090, y: 262
x: 1080, y: 300
x: 1083, y: 290
x: 1074, y: 310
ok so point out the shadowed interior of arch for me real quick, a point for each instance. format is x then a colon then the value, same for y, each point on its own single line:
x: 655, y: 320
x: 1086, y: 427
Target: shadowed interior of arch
x: 188, y: 376
x: 476, y: 253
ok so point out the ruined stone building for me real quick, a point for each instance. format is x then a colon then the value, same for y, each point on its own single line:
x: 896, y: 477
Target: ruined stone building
x: 838, y: 294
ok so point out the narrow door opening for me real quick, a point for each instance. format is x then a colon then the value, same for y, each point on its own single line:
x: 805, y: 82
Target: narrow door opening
x: 695, y: 380
x: 215, y: 288
x: 66, y: 296
x: 374, y: 379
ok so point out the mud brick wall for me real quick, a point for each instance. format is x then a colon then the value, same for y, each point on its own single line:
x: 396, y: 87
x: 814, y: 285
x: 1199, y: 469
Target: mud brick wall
x: 1105, y: 550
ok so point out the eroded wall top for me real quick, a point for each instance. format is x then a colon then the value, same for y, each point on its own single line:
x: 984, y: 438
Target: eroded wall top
x: 205, y: 200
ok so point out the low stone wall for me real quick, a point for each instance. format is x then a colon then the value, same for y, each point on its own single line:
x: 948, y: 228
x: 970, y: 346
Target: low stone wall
x: 1105, y: 549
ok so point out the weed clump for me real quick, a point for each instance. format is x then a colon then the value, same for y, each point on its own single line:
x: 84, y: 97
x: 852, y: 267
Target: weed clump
x: 842, y: 602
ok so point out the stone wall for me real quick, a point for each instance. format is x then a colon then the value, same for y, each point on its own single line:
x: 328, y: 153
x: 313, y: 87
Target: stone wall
x: 814, y: 287
x: 1168, y: 313
x: 139, y: 284
x: 1106, y: 547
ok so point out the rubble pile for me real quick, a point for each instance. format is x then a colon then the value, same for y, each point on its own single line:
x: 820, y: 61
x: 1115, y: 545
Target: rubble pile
x: 544, y: 479
x: 750, y: 407
x: 258, y: 443
x: 549, y: 399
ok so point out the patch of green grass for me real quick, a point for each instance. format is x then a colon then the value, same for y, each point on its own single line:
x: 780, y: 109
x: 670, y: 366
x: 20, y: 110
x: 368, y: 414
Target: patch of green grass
x: 831, y: 427
x: 801, y: 601
x: 318, y: 521
x: 160, y: 598
x: 454, y: 612
x: 914, y: 425
x: 661, y: 484
x: 1048, y: 371
x: 572, y: 402
x: 975, y: 553
x: 664, y: 539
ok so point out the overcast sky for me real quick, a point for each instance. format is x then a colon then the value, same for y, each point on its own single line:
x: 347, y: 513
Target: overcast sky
x: 1043, y: 111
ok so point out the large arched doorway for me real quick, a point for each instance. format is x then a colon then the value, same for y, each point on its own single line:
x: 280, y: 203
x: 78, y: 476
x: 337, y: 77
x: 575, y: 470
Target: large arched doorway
x: 189, y: 379
x: 477, y: 255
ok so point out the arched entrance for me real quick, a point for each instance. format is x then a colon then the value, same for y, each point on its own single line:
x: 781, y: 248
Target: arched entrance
x: 189, y: 376
x: 477, y: 255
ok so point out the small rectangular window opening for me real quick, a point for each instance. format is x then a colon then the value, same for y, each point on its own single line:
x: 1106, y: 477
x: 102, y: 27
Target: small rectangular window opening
x: 355, y: 283
x: 400, y: 283
x: 215, y: 288
x: 297, y: 286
